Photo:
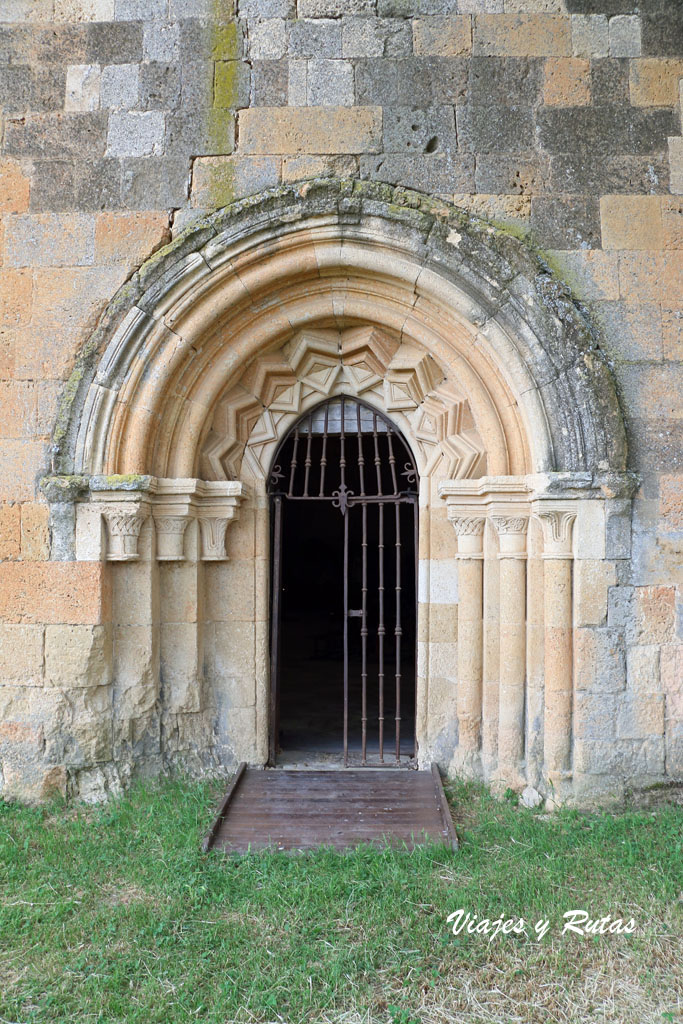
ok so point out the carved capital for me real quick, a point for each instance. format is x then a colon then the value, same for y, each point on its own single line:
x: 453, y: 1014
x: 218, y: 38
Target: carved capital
x: 510, y: 524
x: 470, y: 533
x: 557, y: 525
x: 511, y: 530
x: 123, y: 533
x: 170, y: 537
x: 213, y: 530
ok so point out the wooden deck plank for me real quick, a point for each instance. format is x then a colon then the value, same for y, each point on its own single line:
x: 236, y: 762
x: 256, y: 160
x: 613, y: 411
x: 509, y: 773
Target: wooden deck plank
x: 303, y: 809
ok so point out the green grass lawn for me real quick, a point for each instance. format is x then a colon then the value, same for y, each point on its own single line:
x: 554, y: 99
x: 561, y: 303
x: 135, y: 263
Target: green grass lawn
x: 113, y: 914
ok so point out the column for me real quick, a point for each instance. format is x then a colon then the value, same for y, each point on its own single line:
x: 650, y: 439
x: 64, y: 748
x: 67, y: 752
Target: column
x: 469, y: 530
x: 512, y: 529
x: 557, y: 523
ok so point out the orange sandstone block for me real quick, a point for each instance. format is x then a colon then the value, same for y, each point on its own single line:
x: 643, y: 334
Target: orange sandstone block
x: 10, y: 519
x: 655, y: 614
x: 14, y: 188
x: 17, y: 408
x: 566, y: 82
x: 443, y: 36
x: 35, y: 538
x: 21, y: 463
x: 310, y: 130
x: 129, y: 237
x: 16, y: 287
x: 671, y: 501
x: 672, y: 221
x: 653, y: 81
x: 521, y: 35
x: 631, y: 222
x: 54, y: 592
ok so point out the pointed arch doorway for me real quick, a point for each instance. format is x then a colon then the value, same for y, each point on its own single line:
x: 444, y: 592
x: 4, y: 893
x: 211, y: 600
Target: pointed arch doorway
x: 344, y: 513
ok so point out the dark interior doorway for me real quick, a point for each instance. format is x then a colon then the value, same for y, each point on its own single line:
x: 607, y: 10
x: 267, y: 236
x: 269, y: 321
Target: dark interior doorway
x: 345, y: 608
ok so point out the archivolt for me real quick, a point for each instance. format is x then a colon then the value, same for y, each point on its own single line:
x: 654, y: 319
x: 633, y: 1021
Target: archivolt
x: 336, y: 255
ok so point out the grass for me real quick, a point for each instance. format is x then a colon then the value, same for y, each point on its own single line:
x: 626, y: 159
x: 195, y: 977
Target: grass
x: 112, y: 914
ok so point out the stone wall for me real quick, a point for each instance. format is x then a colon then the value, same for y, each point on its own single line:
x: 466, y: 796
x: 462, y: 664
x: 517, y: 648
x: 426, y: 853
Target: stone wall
x: 557, y: 120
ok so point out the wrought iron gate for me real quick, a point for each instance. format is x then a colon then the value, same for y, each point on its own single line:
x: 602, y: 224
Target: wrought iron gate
x: 348, y: 455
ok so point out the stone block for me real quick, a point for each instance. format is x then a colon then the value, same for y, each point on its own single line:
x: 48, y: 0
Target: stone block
x: 21, y: 655
x: 110, y: 42
x: 78, y: 656
x: 298, y: 168
x: 18, y: 404
x: 120, y: 86
x: 567, y: 82
x: 595, y: 131
x: 590, y: 35
x: 35, y: 537
x: 671, y: 502
x: 640, y: 715
x: 591, y: 274
x: 672, y: 334
x: 414, y: 81
x: 511, y: 210
x: 503, y: 174
x: 226, y: 41
x: 136, y: 134
x: 495, y: 129
x: 314, y: 38
x: 335, y: 8
x: 232, y: 84
x: 506, y: 81
x: 234, y: 659
x: 593, y: 578
x: 84, y: 10
x: 10, y: 531
x: 376, y: 37
x: 269, y: 83
x: 268, y: 8
x: 155, y: 184
x: 565, y: 222
x: 82, y: 87
x: 218, y: 181
x: 75, y: 593
x: 160, y: 40
x: 159, y: 86
x: 599, y: 660
x: 50, y: 240
x: 180, y: 667
x: 441, y: 173
x: 642, y: 669
x: 14, y: 188
x: 129, y: 238
x: 654, y: 83
x: 671, y: 667
x: 136, y: 683
x: 15, y: 87
x: 297, y: 88
x: 521, y: 35
x: 321, y: 130
x: 654, y: 614
x: 98, y: 185
x: 20, y: 464
x: 676, y: 164
x: 329, y: 83
x: 442, y: 36
x: 624, y: 36
x: 53, y: 187
x: 631, y: 222
x: 595, y: 715
x: 16, y: 289
x: 632, y: 330
x: 268, y: 39
x: 60, y: 44
x: 67, y: 136
x: 187, y: 133
x: 139, y: 10
x: 672, y: 222
x: 661, y: 36
x: 407, y: 130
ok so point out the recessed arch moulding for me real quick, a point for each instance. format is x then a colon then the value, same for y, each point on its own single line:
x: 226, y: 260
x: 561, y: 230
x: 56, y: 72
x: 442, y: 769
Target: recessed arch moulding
x: 203, y: 361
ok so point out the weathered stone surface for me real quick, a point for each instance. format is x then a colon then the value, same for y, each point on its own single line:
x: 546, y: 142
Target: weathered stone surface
x: 78, y: 656
x: 567, y: 82
x: 442, y: 36
x: 565, y: 222
x: 54, y: 592
x: 21, y: 655
x: 312, y: 130
x: 521, y: 35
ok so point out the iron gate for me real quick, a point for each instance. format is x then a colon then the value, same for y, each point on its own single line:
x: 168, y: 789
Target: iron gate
x: 348, y: 455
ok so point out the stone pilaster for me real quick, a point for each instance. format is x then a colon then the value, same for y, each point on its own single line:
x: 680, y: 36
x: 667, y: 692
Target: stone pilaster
x: 469, y: 530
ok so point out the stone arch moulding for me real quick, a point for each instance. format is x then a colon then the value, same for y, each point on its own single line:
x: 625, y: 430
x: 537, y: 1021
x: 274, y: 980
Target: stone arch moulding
x: 201, y: 363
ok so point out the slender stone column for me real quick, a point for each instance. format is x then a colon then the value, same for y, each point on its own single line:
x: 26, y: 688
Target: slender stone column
x: 557, y: 526
x: 512, y: 528
x: 470, y: 533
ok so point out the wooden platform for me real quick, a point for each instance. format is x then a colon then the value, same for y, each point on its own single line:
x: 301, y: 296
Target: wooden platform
x: 304, y: 809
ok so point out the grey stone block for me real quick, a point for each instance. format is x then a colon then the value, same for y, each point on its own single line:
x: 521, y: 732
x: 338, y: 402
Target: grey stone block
x: 268, y: 39
x: 407, y: 130
x: 213, y: 132
x: 111, y: 42
x: 619, y: 607
x: 120, y: 86
x: 15, y: 89
x: 508, y: 81
x: 267, y: 8
x: 624, y: 35
x: 409, y: 82
x: 605, y: 131
x: 52, y: 186
x: 314, y: 39
x: 159, y: 86
x: 442, y: 173
x: 609, y: 82
x: 329, y: 83
x: 661, y: 34
x: 618, y: 529
x: 495, y: 129
x: 197, y: 84
x: 160, y: 40
x: 409, y: 8
x: 98, y: 185
x: 195, y: 39
x: 630, y: 330
x: 16, y: 44
x: 48, y: 86
x: 269, y: 81
x: 335, y: 8
x: 606, y: 7
x: 57, y: 136
x: 140, y: 10
x: 155, y: 183
x: 512, y: 175
x: 60, y: 44
x: 566, y: 222
x: 136, y: 134
x: 573, y: 172
x: 216, y: 11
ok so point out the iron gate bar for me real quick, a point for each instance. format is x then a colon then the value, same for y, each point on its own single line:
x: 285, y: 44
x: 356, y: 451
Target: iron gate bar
x: 346, y: 641
x: 398, y: 632
x: 380, y: 631
x: 275, y: 629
